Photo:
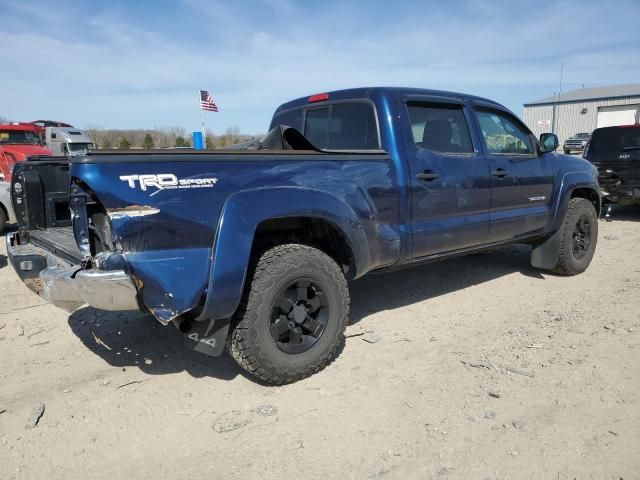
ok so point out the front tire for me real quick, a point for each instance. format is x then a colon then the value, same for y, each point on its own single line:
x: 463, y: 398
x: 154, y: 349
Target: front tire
x: 3, y: 220
x: 578, y: 239
x: 292, y: 318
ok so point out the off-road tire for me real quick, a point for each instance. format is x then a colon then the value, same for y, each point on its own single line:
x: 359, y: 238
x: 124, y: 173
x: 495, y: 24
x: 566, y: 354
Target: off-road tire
x: 250, y: 342
x: 567, y: 263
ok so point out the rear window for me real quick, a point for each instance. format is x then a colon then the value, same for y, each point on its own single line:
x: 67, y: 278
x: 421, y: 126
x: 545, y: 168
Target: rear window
x: 290, y: 118
x: 338, y: 126
x: 607, y: 143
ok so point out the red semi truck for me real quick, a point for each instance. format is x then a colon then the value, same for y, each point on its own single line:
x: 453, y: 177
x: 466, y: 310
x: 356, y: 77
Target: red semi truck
x: 17, y: 142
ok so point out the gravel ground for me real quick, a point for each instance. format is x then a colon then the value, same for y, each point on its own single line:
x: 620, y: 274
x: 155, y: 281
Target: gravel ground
x: 476, y: 368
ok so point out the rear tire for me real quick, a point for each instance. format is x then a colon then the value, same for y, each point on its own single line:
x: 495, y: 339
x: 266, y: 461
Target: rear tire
x: 292, y: 318
x: 579, y: 237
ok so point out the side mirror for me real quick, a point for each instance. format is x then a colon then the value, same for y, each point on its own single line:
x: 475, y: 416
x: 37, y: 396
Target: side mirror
x: 549, y: 142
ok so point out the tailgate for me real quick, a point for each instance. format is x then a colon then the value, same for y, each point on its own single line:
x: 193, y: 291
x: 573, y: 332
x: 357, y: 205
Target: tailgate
x: 40, y: 194
x: 625, y: 166
x: 40, y: 198
x: 59, y: 241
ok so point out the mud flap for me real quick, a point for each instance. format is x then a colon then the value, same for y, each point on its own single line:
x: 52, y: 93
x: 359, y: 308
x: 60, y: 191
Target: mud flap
x: 545, y: 255
x: 208, y: 336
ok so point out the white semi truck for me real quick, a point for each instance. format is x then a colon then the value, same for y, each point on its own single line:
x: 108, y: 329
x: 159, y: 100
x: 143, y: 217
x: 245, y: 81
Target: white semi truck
x: 67, y: 141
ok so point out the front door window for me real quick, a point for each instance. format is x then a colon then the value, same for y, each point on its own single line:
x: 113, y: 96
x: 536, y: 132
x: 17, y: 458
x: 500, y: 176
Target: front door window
x: 502, y: 135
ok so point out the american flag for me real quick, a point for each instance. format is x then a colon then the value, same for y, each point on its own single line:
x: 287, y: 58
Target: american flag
x: 206, y: 102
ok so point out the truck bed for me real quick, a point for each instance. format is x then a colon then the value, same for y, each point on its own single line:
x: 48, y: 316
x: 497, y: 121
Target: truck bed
x: 59, y: 241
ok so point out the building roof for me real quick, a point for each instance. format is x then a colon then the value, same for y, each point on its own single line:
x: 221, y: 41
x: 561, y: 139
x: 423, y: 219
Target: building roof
x: 612, y: 91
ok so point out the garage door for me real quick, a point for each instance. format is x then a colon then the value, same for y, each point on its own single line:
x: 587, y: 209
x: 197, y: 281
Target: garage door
x: 618, y: 115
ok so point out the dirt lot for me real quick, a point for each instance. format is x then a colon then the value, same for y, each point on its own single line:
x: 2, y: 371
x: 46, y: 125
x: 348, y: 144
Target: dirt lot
x: 412, y: 395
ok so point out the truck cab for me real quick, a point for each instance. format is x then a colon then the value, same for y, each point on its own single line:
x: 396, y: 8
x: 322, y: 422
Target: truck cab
x: 67, y: 141
x: 17, y: 142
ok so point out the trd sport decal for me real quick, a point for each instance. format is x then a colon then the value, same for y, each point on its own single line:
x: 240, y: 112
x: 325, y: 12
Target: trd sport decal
x: 166, y: 181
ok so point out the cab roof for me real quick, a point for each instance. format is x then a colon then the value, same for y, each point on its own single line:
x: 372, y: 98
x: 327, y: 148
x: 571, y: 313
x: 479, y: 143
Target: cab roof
x: 371, y: 92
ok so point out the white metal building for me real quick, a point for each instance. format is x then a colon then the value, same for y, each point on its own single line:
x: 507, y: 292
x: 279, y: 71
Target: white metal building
x: 584, y: 110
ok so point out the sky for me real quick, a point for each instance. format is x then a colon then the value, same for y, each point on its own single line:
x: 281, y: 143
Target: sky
x: 140, y: 64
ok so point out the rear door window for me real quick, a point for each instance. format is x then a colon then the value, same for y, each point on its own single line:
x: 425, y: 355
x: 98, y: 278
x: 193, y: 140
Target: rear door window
x: 440, y: 127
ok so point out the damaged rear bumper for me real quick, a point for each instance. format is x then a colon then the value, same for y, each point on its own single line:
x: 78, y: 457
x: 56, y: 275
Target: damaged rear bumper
x: 68, y: 286
x: 619, y: 188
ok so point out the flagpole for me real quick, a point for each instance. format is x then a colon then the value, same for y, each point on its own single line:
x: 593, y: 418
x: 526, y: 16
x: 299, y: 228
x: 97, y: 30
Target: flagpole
x: 204, y: 134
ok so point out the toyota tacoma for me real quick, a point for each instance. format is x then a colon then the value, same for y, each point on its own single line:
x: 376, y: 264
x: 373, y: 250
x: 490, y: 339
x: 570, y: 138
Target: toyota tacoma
x: 253, y: 249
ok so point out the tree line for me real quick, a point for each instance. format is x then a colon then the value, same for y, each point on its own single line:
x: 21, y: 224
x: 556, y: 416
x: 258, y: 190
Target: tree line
x: 158, y: 137
x: 164, y: 137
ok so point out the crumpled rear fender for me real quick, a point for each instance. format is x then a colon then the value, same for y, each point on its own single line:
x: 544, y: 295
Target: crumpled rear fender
x: 162, y: 237
x: 188, y: 250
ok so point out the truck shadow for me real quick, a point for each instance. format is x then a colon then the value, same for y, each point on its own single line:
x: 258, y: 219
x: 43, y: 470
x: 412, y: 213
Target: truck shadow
x: 388, y: 291
x: 3, y: 261
x: 131, y: 339
x: 135, y: 339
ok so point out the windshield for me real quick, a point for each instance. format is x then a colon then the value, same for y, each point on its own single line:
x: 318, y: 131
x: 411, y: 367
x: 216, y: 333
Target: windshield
x: 76, y: 147
x: 607, y: 143
x: 582, y: 136
x: 79, y: 147
x: 18, y: 136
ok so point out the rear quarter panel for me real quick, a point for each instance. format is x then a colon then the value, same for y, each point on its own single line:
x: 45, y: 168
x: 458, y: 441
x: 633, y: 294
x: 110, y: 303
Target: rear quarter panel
x: 185, y: 245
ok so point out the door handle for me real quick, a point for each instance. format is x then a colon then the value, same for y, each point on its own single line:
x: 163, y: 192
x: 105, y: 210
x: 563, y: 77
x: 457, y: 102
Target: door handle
x: 500, y: 173
x: 427, y: 176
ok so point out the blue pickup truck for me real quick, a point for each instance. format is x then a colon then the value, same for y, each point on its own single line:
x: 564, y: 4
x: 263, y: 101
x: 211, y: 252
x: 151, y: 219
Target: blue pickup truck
x: 253, y: 249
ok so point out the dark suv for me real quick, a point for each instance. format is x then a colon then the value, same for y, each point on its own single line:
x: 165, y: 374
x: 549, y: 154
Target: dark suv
x: 615, y: 151
x: 575, y: 143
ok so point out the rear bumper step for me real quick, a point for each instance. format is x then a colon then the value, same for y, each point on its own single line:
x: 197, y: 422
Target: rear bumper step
x: 69, y: 286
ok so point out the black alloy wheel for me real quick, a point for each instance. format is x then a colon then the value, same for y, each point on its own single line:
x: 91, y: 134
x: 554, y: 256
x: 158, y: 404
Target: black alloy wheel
x: 290, y: 323
x: 298, y: 316
x: 581, y: 237
x: 578, y: 237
